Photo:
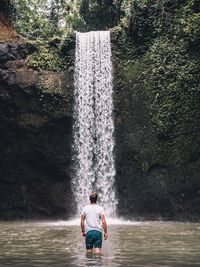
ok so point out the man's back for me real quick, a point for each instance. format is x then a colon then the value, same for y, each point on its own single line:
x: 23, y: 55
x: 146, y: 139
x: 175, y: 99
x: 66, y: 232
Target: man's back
x: 93, y: 214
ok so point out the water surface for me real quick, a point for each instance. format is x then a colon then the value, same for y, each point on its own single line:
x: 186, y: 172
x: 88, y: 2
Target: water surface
x: 131, y: 244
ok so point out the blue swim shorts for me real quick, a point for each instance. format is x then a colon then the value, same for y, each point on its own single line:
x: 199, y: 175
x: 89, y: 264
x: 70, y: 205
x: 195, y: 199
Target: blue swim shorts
x: 93, y: 239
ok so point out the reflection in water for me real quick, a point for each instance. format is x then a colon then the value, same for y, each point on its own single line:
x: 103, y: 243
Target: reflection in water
x: 60, y: 244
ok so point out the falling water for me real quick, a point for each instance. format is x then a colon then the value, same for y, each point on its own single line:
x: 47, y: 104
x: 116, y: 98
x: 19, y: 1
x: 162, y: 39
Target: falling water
x: 93, y: 163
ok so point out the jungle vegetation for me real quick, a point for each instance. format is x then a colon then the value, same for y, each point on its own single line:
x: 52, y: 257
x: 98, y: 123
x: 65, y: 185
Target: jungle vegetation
x: 158, y: 46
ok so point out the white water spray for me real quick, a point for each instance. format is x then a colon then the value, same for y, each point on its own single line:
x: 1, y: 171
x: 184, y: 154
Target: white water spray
x: 93, y: 163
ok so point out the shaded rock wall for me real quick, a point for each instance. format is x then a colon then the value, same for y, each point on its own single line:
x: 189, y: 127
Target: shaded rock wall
x: 151, y: 180
x: 157, y: 175
x: 35, y: 142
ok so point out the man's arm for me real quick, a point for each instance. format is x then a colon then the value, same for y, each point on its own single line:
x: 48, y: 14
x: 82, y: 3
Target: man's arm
x: 104, y: 225
x: 83, y: 225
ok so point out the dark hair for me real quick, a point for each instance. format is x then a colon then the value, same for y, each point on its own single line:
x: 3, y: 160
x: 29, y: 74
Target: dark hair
x: 93, y: 197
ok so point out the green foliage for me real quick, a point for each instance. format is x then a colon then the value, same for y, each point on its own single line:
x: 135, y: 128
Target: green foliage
x: 41, y: 19
x: 100, y: 14
x: 122, y: 48
x: 53, y: 55
x: 45, y: 57
x: 150, y: 19
x: 67, y: 50
x: 45, y: 19
x: 157, y: 59
x: 171, y: 80
x: 192, y: 29
x: 28, y: 20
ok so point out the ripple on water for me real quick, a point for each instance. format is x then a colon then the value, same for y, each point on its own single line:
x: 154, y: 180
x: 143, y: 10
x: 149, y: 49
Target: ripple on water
x: 60, y: 244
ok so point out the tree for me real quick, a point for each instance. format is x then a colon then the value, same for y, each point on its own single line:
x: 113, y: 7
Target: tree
x: 6, y: 8
x: 100, y: 14
x: 45, y: 19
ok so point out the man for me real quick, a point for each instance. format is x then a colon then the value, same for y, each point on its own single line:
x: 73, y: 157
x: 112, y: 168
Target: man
x: 94, y: 215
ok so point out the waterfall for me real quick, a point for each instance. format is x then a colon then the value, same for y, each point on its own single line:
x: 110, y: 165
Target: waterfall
x: 93, y: 141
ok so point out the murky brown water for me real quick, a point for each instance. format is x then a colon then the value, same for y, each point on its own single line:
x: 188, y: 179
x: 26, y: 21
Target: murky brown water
x: 60, y: 244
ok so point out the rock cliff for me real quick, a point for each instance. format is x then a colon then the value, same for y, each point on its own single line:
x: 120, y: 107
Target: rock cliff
x: 157, y: 134
x: 157, y: 158
x: 35, y: 132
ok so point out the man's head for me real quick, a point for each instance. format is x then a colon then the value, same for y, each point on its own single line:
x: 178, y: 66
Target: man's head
x: 93, y: 197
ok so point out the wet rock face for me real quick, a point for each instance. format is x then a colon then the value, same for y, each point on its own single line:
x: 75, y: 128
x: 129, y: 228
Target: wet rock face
x: 12, y: 51
x: 13, y: 69
x: 35, y: 141
x: 153, y: 182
